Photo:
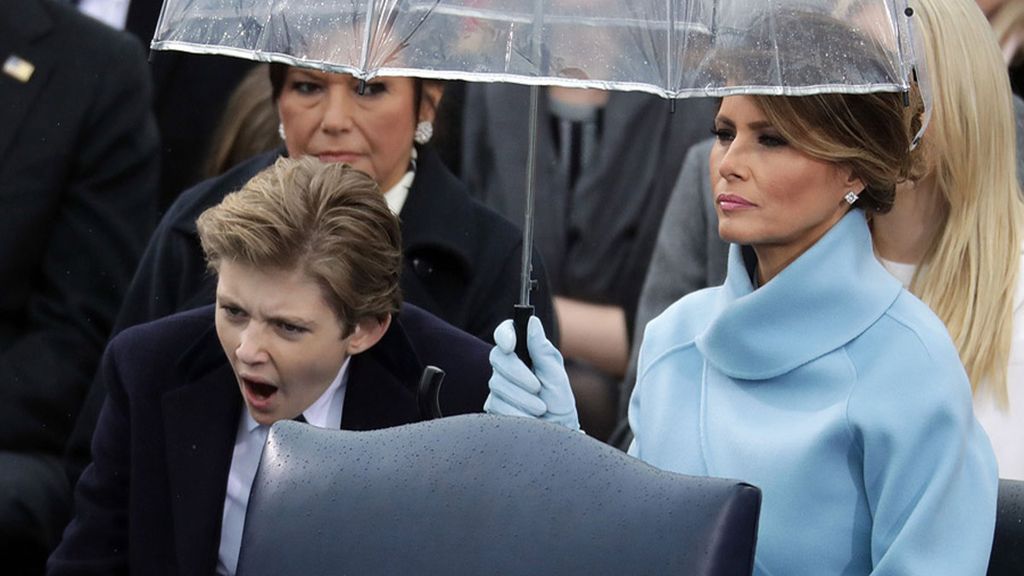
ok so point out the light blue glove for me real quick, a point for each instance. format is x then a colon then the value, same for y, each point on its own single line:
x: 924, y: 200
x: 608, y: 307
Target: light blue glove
x: 516, y: 391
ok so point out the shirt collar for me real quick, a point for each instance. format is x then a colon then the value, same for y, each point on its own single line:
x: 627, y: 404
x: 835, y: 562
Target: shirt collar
x: 326, y: 411
x: 825, y: 298
x: 398, y: 193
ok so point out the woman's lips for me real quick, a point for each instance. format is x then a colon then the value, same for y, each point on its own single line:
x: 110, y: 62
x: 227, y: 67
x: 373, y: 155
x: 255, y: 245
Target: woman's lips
x: 347, y: 157
x: 730, y: 202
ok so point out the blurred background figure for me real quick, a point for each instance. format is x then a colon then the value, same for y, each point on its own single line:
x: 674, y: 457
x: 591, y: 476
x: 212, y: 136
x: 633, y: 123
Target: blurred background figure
x: 606, y: 162
x: 1007, y: 20
x: 190, y: 92
x: 79, y: 168
x: 248, y: 126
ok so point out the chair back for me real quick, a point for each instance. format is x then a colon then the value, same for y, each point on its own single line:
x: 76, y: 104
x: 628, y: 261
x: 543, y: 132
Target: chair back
x: 1008, y: 546
x: 480, y: 494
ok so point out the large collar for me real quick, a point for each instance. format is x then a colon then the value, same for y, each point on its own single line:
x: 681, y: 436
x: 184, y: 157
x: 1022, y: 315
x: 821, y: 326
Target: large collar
x: 827, y: 297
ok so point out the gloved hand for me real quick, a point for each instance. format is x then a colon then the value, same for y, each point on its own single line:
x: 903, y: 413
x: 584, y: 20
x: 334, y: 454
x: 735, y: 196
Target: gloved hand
x: 516, y: 391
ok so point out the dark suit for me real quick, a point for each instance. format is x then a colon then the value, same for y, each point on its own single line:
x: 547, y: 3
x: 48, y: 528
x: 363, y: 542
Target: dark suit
x: 596, y: 234
x: 461, y: 262
x: 168, y: 429
x: 78, y: 174
x: 190, y: 92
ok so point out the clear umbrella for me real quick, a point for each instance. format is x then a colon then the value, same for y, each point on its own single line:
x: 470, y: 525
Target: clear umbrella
x: 667, y: 47
x: 671, y: 48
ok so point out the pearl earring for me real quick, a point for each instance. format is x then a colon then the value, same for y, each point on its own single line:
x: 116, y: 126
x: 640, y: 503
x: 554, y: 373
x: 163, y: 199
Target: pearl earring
x: 850, y: 197
x: 424, y: 132
x: 280, y: 130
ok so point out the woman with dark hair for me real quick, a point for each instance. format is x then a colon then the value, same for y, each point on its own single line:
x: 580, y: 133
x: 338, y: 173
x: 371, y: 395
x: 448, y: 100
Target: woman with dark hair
x: 811, y: 372
x: 462, y: 260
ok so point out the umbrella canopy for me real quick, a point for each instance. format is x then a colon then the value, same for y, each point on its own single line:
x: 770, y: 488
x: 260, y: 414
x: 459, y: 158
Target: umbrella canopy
x: 672, y: 48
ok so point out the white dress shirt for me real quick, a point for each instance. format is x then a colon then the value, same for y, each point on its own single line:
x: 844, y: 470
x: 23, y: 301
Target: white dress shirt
x: 325, y: 412
x: 113, y: 13
x: 396, y: 196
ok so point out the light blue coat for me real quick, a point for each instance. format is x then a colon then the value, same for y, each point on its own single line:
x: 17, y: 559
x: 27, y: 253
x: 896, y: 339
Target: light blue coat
x: 841, y: 396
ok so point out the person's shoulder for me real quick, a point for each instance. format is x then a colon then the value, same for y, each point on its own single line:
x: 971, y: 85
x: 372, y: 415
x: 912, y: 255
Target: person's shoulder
x: 187, y: 207
x: 81, y: 36
x: 907, y: 353
x: 164, y: 335
x: 910, y: 324
x: 423, y: 328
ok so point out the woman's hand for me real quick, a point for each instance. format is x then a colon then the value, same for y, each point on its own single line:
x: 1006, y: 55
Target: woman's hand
x: 516, y: 391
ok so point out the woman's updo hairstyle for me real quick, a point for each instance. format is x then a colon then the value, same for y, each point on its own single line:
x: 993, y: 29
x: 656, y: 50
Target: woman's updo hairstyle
x: 871, y: 133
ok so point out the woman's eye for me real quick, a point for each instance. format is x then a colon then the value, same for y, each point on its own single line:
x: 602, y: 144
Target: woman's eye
x: 723, y: 134
x: 373, y: 88
x: 771, y: 141
x: 303, y: 87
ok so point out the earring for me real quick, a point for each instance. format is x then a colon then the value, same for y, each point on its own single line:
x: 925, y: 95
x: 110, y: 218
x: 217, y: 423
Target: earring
x: 850, y: 197
x: 424, y: 132
x: 280, y: 130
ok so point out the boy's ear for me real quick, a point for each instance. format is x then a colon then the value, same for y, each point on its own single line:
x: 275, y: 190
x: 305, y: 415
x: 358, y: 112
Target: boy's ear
x: 368, y: 332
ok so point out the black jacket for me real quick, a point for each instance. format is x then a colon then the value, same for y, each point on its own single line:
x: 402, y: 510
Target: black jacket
x: 78, y: 174
x: 152, y: 500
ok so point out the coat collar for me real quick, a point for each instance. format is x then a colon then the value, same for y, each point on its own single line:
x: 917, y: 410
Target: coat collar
x: 827, y: 297
x: 438, y: 214
x: 200, y: 421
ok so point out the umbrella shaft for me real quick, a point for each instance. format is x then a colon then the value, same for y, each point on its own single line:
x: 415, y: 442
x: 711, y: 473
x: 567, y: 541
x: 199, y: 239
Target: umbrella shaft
x: 526, y: 282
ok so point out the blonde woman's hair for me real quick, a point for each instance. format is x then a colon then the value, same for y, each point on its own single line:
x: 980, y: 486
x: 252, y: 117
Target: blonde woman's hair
x: 329, y: 220
x: 969, y: 274
x: 248, y: 125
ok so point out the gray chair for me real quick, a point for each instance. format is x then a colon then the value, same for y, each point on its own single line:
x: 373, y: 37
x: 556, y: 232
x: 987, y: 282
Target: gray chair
x: 1008, y: 547
x: 480, y: 494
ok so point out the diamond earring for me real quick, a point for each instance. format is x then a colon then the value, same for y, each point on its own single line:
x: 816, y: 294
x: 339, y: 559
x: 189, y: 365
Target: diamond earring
x: 424, y: 132
x: 850, y: 197
x: 280, y: 130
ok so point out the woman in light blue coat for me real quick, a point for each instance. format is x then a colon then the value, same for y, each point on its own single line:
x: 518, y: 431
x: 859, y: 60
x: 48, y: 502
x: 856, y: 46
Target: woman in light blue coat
x: 811, y: 372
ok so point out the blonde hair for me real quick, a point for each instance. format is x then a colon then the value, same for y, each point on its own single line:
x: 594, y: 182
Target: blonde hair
x: 248, y: 125
x: 969, y: 273
x: 329, y: 219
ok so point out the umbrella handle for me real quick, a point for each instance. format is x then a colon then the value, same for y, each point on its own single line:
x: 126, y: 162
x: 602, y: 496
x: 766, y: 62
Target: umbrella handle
x: 520, y: 317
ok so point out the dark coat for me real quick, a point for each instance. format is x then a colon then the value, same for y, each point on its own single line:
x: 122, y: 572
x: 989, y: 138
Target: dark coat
x: 461, y: 263
x: 78, y: 174
x: 152, y: 501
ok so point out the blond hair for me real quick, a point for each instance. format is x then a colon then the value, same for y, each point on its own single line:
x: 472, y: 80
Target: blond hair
x: 969, y: 273
x: 328, y: 219
x: 248, y: 125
